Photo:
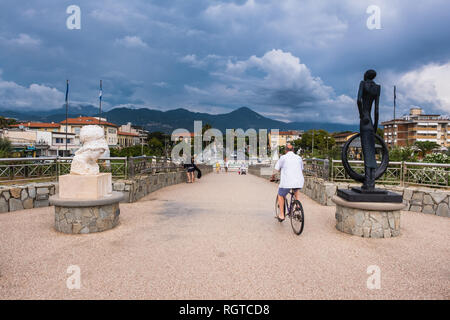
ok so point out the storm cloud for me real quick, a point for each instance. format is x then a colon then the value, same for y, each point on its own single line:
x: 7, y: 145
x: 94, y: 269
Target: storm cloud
x: 291, y: 60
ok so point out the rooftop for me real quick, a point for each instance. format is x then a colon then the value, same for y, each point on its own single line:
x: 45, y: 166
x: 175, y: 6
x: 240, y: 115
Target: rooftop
x: 289, y: 133
x: 88, y: 121
x: 190, y: 134
x: 415, y: 115
x: 122, y: 133
x: 344, y: 134
x: 37, y: 125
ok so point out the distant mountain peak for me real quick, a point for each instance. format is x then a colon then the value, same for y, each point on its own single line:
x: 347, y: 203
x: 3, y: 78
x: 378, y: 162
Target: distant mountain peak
x: 178, y: 110
x: 167, y: 121
x: 244, y: 109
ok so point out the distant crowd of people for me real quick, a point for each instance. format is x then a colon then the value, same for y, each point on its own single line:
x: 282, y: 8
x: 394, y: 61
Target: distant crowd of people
x: 242, y: 169
x: 193, y: 172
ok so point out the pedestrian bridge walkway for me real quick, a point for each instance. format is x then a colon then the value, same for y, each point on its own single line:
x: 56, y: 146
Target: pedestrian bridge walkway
x: 218, y: 239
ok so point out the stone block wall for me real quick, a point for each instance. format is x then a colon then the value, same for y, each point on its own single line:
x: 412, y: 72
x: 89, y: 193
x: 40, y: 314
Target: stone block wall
x: 319, y: 190
x: 28, y: 196
x: 417, y: 199
x: 36, y: 195
x: 138, y: 187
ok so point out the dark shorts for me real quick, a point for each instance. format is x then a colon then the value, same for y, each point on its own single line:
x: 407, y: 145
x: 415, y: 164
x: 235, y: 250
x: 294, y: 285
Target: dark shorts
x: 284, y: 191
x: 191, y: 169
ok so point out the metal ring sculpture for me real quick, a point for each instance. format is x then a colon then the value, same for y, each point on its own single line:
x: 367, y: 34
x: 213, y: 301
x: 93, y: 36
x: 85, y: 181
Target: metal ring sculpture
x: 380, y: 170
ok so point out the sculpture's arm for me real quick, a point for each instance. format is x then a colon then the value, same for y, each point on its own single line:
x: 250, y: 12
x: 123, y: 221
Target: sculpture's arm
x: 376, y: 112
x: 359, y: 99
x: 80, y: 151
x: 97, y: 151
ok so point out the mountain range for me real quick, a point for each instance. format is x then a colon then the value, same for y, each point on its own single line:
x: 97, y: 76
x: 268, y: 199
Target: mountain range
x: 167, y: 121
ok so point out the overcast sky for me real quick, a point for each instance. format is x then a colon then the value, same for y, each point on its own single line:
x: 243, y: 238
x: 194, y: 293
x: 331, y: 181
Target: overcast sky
x: 287, y: 59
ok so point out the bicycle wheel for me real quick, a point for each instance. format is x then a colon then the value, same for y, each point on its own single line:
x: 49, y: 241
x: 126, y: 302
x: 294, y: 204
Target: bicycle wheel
x: 297, y: 217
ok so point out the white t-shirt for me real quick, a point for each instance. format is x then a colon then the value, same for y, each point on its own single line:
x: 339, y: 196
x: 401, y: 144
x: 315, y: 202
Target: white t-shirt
x: 291, y: 166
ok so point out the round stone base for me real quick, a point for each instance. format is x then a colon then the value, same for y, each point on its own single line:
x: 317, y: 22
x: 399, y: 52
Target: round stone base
x: 86, y: 216
x: 368, y: 219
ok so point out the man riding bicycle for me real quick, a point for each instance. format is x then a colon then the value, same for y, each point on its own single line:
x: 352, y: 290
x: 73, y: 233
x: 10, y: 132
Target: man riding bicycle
x: 290, y: 167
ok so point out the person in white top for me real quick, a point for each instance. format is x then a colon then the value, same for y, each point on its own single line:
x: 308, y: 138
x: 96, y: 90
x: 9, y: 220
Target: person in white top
x: 243, y: 168
x: 290, y: 166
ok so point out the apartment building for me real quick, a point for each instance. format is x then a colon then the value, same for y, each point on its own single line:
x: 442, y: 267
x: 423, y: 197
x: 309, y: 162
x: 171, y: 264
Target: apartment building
x: 49, y: 139
x: 127, y: 139
x: 58, y: 144
x: 287, y: 136
x: 39, y: 126
x: 74, y: 125
x: 341, y: 138
x: 417, y: 126
x: 40, y: 143
x: 130, y: 135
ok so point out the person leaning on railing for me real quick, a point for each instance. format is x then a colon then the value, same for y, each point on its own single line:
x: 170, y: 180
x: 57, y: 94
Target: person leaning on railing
x: 190, y: 168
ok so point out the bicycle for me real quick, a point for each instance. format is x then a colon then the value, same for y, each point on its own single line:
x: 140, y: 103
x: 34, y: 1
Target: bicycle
x: 294, y: 209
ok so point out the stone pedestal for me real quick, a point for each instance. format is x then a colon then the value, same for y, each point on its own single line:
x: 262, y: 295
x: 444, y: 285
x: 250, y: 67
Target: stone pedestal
x: 85, y: 187
x: 368, y: 219
x: 86, y: 216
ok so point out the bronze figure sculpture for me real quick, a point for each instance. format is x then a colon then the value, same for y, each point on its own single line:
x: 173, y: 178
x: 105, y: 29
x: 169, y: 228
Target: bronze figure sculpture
x: 368, y: 95
x: 369, y: 92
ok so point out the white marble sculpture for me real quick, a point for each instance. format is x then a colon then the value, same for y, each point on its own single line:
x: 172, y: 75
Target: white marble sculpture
x: 93, y: 147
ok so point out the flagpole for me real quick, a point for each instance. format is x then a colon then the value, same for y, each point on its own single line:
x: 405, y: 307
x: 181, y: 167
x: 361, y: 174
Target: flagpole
x: 67, y: 109
x: 395, y: 98
x: 100, y: 104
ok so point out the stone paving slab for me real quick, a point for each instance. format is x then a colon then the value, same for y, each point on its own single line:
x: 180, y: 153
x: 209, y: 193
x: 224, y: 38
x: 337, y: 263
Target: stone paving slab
x: 217, y: 239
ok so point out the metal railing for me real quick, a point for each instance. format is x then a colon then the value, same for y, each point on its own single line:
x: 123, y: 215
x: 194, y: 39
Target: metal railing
x: 313, y: 167
x: 319, y: 168
x: 49, y: 168
x: 150, y: 165
x: 400, y: 173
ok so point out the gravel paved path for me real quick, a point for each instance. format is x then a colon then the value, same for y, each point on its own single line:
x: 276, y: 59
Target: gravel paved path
x: 216, y: 239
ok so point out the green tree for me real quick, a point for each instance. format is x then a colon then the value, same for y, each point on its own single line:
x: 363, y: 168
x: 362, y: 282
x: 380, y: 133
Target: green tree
x: 158, y: 135
x: 205, y: 127
x: 335, y: 153
x: 6, y: 122
x: 402, y: 154
x: 5, y: 148
x: 323, y: 143
x: 155, y: 143
x: 425, y: 147
x: 158, y: 142
x: 380, y: 132
x: 155, y: 147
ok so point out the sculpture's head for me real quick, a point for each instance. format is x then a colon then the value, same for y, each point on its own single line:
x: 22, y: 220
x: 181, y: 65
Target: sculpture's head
x: 91, y: 133
x: 370, y: 74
